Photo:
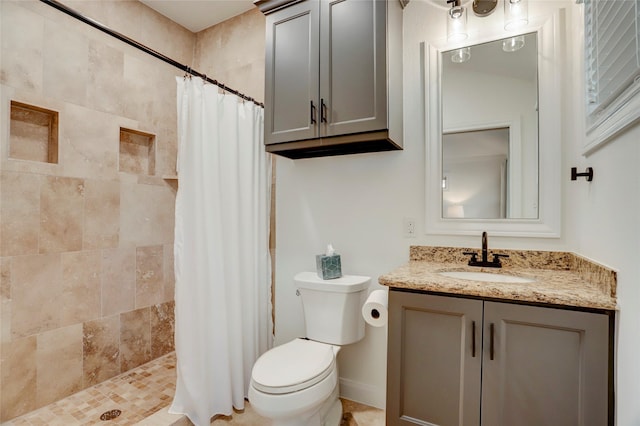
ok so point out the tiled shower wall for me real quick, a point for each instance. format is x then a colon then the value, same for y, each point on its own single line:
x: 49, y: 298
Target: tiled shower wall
x: 86, y: 250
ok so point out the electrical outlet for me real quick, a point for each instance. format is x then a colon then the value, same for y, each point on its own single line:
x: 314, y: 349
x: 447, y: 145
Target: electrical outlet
x: 409, y: 227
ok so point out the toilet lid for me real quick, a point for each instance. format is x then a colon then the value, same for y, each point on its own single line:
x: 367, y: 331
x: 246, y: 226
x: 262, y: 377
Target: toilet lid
x: 293, y: 366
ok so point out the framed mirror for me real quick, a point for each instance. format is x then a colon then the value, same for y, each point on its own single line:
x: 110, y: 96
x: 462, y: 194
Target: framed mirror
x: 493, y: 133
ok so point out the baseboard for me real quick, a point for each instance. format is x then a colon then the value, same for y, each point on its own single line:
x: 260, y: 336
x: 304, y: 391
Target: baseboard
x: 363, y: 393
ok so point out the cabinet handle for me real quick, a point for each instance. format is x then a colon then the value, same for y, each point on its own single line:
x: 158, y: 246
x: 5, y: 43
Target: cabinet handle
x: 323, y: 111
x: 473, y: 339
x: 491, y: 333
x: 313, y: 113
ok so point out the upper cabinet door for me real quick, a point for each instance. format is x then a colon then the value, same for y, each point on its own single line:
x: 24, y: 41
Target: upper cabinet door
x: 353, y: 77
x: 292, y: 68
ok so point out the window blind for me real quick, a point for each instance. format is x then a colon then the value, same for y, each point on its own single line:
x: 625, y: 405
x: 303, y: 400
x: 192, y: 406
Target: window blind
x: 612, y: 52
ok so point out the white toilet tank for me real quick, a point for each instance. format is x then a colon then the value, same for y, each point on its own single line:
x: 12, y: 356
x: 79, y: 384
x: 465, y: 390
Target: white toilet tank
x: 333, y: 308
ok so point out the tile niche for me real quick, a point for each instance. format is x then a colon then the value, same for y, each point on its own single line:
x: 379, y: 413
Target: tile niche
x: 137, y: 152
x: 33, y: 133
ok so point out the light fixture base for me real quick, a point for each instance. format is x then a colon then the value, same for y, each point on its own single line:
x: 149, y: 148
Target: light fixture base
x: 484, y: 8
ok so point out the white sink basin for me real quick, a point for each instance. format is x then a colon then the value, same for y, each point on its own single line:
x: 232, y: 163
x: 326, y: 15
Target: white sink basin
x: 486, y: 276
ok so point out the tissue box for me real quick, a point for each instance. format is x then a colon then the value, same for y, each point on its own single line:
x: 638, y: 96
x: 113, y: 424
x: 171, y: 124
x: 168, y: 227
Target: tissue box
x: 328, y: 267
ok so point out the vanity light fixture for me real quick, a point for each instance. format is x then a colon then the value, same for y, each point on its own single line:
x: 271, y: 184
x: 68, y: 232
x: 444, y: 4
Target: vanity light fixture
x: 457, y: 22
x: 461, y: 55
x: 512, y: 44
x: 516, y: 14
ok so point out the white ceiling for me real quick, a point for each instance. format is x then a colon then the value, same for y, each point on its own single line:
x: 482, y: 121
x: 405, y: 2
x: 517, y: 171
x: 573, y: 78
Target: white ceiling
x: 196, y: 15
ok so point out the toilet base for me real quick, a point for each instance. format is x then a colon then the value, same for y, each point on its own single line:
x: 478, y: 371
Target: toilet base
x: 334, y: 416
x: 329, y: 414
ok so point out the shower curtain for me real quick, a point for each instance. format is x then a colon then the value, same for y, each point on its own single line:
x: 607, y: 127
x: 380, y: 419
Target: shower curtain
x: 223, y: 278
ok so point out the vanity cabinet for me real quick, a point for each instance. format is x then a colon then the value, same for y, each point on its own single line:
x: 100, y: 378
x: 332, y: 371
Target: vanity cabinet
x: 458, y: 361
x: 333, y: 79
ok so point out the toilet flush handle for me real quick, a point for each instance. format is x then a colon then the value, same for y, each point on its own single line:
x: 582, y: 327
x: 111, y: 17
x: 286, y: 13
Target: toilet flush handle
x: 297, y: 292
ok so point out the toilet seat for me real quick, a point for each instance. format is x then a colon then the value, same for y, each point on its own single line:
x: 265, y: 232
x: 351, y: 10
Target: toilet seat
x: 296, y: 365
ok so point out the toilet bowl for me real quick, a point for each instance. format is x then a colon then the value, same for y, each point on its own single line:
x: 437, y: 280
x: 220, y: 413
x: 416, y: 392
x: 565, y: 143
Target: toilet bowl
x: 292, y: 383
x: 296, y: 384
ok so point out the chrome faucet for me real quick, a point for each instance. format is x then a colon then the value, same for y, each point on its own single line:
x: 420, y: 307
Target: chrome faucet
x: 495, y: 263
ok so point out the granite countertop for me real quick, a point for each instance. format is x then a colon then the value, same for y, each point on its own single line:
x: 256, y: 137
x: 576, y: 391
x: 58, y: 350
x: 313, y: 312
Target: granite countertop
x: 561, y: 278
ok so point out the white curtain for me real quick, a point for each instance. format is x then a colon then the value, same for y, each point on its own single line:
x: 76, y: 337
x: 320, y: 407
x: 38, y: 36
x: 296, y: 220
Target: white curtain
x: 223, y: 277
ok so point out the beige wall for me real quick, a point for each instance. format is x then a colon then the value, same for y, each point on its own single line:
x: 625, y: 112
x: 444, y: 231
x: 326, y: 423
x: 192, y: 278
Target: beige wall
x: 86, y: 250
x: 233, y: 53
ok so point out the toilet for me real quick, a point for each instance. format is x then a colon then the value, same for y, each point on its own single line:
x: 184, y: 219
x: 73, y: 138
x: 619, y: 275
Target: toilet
x: 296, y: 383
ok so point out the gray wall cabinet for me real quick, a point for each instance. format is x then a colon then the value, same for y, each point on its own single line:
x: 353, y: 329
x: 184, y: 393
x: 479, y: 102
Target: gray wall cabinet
x: 333, y: 78
x: 455, y: 361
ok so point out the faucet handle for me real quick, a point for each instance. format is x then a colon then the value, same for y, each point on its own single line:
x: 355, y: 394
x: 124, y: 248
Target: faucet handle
x: 497, y: 256
x: 473, y: 254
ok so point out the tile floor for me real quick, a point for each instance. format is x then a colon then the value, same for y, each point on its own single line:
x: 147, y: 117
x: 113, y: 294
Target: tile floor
x: 149, y: 389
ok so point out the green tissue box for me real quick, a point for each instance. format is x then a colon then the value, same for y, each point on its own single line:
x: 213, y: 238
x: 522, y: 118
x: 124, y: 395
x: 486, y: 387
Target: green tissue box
x: 328, y: 267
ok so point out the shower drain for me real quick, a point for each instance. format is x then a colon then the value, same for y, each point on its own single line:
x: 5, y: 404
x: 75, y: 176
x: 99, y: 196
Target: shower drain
x: 110, y: 415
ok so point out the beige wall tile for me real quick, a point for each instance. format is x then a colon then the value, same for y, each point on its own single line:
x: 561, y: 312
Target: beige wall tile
x: 22, y: 45
x: 5, y: 322
x: 18, y: 369
x: 147, y: 26
x: 66, y: 60
x: 146, y: 214
x: 101, y: 214
x: 162, y: 329
x: 233, y: 52
x: 135, y: 338
x: 80, y: 299
x: 106, y: 72
x: 148, y: 84
x: 101, y: 341
x: 149, y: 276
x: 90, y: 143
x: 169, y: 275
x: 118, y: 280
x: 59, y: 364
x: 5, y: 300
x: 19, y: 213
x: 5, y: 279
x: 61, y: 212
x: 36, y: 290
x: 166, y: 151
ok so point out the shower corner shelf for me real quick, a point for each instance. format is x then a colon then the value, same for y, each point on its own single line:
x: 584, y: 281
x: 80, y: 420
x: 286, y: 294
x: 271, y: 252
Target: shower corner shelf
x: 170, y: 177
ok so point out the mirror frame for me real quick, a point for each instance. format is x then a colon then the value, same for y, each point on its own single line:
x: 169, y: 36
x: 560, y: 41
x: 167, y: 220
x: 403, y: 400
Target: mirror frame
x: 550, y: 34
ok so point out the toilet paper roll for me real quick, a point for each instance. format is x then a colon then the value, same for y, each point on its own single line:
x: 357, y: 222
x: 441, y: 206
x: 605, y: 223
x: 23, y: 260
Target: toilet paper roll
x: 374, y: 310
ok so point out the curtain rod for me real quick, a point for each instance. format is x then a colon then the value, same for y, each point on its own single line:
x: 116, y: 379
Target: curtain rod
x: 188, y: 70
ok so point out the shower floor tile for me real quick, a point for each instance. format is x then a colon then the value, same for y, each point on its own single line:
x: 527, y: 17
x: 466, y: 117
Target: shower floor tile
x: 137, y: 393
x: 147, y: 390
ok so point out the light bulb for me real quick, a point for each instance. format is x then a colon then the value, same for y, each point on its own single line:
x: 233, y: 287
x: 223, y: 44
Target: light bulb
x: 516, y: 14
x: 512, y: 44
x: 457, y: 24
x: 461, y: 55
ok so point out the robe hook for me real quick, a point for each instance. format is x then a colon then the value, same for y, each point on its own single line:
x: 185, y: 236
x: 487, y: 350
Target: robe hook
x: 588, y: 174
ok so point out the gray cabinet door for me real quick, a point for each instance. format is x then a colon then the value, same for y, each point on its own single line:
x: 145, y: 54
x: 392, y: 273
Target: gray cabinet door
x: 549, y: 367
x: 433, y: 372
x: 292, y: 73
x: 353, y: 75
